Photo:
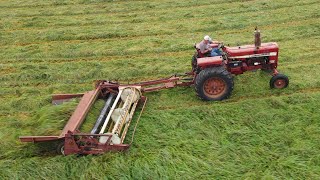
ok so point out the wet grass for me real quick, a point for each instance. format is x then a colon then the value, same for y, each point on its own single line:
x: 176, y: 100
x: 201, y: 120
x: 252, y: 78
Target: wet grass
x: 50, y: 47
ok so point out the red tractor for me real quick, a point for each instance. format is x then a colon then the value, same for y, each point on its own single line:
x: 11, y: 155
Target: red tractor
x: 213, y: 75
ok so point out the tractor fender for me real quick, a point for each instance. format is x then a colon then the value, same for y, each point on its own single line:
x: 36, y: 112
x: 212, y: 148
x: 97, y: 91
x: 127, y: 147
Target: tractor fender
x: 209, y: 61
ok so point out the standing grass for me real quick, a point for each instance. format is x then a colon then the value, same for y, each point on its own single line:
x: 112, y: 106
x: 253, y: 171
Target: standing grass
x: 50, y: 47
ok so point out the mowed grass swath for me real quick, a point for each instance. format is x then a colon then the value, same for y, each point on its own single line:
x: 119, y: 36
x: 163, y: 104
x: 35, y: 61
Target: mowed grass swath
x: 50, y: 47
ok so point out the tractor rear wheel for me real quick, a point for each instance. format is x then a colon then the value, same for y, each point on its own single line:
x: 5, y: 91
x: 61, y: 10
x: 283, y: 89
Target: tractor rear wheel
x: 214, y: 84
x: 279, y: 81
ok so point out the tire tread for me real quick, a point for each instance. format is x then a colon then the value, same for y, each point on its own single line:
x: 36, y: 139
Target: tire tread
x: 209, y: 72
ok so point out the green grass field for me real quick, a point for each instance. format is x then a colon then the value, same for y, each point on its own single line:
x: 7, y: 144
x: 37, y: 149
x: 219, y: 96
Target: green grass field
x: 56, y: 46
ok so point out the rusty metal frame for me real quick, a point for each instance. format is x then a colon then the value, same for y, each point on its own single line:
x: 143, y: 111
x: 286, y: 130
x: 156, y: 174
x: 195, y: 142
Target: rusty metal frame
x: 81, y: 143
x: 155, y: 85
x: 60, y: 98
x: 70, y: 134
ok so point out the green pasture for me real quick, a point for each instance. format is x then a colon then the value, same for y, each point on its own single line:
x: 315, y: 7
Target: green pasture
x: 57, y: 46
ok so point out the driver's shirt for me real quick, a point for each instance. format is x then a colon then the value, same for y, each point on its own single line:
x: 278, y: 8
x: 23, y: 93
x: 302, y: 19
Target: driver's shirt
x: 203, y: 46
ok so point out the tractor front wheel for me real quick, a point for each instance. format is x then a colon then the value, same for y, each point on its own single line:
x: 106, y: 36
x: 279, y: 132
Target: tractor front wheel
x: 214, y: 84
x: 279, y: 81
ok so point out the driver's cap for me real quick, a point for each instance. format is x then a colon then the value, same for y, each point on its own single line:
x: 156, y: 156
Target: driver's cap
x: 207, y: 38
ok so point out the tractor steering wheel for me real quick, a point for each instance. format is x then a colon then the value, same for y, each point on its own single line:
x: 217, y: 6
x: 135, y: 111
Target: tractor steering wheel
x: 220, y: 45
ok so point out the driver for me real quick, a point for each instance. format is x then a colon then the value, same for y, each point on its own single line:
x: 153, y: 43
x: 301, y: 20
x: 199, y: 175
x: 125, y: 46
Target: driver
x: 209, y: 46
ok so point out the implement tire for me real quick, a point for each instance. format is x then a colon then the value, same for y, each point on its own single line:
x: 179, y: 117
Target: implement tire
x: 60, y: 148
x: 214, y: 84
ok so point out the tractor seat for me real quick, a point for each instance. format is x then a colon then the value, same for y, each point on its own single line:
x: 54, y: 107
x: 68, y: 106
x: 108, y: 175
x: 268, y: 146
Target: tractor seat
x: 201, y: 55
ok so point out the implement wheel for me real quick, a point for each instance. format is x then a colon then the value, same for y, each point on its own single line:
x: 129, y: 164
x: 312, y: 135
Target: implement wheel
x: 279, y: 81
x: 214, y: 84
x: 60, y: 148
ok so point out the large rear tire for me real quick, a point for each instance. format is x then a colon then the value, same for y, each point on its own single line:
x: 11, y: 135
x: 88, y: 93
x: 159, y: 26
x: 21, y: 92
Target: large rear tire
x: 214, y: 84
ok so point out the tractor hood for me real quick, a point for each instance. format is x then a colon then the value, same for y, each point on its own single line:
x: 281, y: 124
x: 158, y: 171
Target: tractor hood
x: 244, y: 51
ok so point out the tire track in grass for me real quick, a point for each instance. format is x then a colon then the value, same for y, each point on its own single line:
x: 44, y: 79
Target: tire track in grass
x: 125, y: 2
x: 235, y: 100
x: 8, y: 68
x: 109, y: 57
x: 142, y: 9
x: 150, y: 18
x: 54, y: 60
x: 168, y: 54
x: 199, y: 103
x: 31, y: 82
x: 160, y: 21
x: 35, y: 83
x: 70, y: 39
x: 177, y: 56
x: 68, y: 13
x: 232, y: 100
x: 165, y: 4
x: 293, y: 25
x: 240, y: 12
x: 303, y: 62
